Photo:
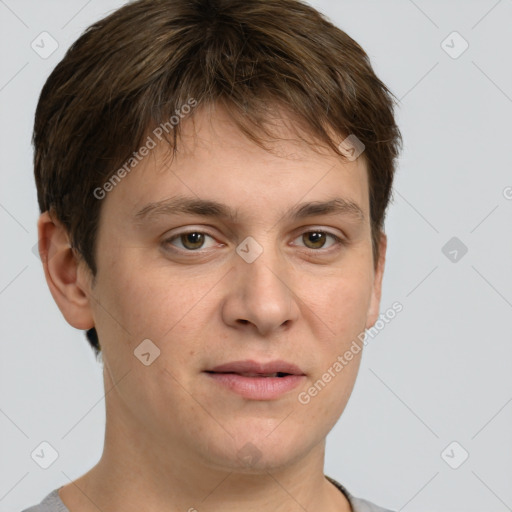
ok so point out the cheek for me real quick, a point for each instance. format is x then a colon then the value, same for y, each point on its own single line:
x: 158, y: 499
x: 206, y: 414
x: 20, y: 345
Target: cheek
x: 342, y: 302
x: 128, y: 301
x: 153, y: 302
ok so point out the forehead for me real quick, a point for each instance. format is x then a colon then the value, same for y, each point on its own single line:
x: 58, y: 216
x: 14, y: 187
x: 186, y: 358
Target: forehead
x: 216, y: 163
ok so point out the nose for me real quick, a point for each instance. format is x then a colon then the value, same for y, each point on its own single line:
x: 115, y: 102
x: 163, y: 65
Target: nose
x: 260, y: 296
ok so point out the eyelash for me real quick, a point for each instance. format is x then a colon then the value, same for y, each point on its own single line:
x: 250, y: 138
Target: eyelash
x: 338, y: 241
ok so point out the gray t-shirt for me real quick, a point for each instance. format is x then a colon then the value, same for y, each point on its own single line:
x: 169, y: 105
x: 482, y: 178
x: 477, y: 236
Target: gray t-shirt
x: 53, y: 503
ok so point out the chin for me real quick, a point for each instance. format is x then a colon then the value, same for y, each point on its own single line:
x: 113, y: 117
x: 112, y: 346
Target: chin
x: 252, y: 450
x: 252, y: 460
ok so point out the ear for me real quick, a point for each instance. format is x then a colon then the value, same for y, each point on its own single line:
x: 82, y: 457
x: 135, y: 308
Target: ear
x: 373, y: 310
x: 64, y: 275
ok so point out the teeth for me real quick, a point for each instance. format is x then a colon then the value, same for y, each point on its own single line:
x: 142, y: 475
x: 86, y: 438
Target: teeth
x: 259, y: 374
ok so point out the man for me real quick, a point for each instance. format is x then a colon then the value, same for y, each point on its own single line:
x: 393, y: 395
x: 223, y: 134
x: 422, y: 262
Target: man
x: 213, y: 177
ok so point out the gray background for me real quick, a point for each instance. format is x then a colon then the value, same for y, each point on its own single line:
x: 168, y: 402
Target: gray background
x: 438, y: 373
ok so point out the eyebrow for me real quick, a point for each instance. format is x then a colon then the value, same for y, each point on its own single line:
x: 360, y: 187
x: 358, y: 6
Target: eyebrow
x: 207, y: 208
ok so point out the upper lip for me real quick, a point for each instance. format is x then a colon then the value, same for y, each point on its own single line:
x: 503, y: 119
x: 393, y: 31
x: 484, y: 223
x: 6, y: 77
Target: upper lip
x: 255, y: 367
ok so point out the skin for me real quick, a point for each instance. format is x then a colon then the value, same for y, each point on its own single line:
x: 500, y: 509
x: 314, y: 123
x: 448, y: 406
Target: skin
x: 173, y: 437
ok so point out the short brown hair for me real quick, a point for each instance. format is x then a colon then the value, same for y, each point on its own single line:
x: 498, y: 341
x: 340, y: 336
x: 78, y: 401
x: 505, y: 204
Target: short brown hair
x: 131, y: 70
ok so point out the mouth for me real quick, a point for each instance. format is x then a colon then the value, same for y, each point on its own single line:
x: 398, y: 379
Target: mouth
x: 257, y: 381
x: 249, y: 368
x: 276, y: 374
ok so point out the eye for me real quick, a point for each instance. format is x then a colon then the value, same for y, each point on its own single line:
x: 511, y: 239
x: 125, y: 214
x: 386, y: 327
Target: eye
x: 195, y: 240
x: 190, y: 241
x: 316, y: 239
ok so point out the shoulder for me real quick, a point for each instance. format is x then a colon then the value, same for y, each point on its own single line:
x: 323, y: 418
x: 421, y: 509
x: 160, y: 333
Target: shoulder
x: 50, y: 503
x: 358, y: 504
x: 361, y: 505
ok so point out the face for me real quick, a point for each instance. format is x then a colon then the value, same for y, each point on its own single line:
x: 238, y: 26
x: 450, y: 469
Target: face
x: 255, y: 285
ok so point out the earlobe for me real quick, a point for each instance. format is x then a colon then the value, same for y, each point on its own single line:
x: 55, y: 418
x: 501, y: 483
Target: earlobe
x: 61, y: 269
x: 373, y: 310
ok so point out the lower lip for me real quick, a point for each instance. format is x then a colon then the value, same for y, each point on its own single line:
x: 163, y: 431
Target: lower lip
x: 258, y: 388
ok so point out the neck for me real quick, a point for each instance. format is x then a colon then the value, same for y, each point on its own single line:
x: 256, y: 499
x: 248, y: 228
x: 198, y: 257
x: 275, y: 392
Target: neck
x: 152, y: 471
x: 134, y: 474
